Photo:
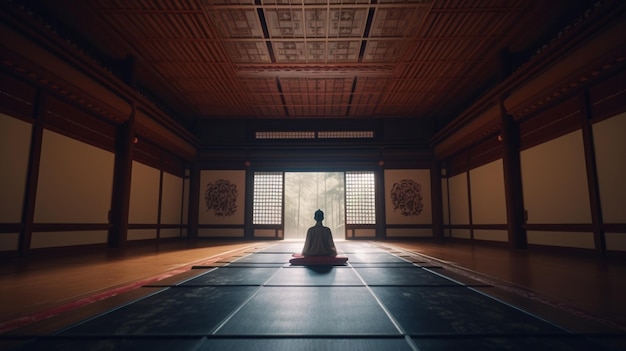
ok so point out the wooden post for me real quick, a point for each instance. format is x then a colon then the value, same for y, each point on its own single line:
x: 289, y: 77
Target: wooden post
x: 32, y: 177
x: 194, y: 202
x: 512, y: 179
x: 120, y: 200
x: 592, y: 176
x: 436, y: 198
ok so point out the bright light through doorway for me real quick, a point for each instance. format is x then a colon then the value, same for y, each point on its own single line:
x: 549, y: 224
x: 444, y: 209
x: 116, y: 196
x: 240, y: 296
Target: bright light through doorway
x: 305, y: 192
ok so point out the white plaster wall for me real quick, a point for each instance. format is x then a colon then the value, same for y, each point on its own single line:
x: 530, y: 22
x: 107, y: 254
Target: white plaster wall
x: 15, y: 137
x: 419, y: 176
x: 141, y: 234
x: 445, y: 202
x: 172, y: 199
x: 615, y: 241
x: 236, y: 178
x: 169, y: 233
x: 555, y: 182
x: 567, y: 239
x: 220, y: 232
x: 491, y: 235
x: 409, y: 232
x: 487, y: 189
x: 41, y: 240
x: 460, y: 233
x: 75, y: 182
x: 609, y: 137
x: 144, y: 195
x: 459, y: 202
x: 185, y: 205
x: 9, y: 241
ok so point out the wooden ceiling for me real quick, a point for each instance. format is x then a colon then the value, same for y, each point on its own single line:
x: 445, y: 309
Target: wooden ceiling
x: 310, y: 58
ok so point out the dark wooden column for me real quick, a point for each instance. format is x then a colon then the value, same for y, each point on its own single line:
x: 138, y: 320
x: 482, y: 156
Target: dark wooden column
x: 512, y: 179
x: 32, y: 177
x: 436, y: 198
x: 381, y: 221
x: 592, y: 175
x: 120, y: 200
x: 194, y: 202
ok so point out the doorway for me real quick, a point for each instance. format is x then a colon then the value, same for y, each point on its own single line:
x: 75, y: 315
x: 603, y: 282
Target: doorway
x: 305, y: 193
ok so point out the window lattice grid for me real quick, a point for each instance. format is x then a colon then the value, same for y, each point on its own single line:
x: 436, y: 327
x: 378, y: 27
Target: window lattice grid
x: 345, y: 134
x: 267, y: 198
x: 285, y: 135
x: 360, y: 198
x: 348, y: 134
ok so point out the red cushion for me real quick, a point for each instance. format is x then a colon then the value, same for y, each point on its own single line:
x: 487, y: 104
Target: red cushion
x: 300, y: 260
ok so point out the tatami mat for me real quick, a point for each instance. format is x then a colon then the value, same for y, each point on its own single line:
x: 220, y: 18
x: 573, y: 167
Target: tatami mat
x: 379, y: 301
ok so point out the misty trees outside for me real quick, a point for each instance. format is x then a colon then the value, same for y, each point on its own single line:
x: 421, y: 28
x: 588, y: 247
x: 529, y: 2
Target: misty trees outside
x: 305, y: 192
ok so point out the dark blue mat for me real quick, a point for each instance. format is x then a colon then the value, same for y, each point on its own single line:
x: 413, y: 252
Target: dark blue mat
x: 402, y: 276
x: 113, y: 344
x: 311, y: 276
x: 377, y: 302
x: 399, y: 264
x: 512, y: 343
x: 310, y: 311
x: 264, y: 258
x: 233, y: 276
x: 374, y: 258
x: 456, y: 310
x: 180, y: 310
x: 304, y: 344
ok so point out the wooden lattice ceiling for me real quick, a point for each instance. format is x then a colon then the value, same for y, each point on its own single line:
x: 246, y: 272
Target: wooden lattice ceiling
x: 310, y: 58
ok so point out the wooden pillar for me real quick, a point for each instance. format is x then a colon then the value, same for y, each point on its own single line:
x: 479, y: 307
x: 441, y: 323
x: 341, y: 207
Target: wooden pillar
x: 592, y: 176
x: 512, y: 180
x: 32, y: 177
x: 194, y: 202
x: 120, y: 200
x: 436, y: 198
x: 381, y: 221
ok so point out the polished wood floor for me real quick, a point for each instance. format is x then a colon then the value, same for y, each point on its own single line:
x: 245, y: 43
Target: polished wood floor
x: 47, y: 286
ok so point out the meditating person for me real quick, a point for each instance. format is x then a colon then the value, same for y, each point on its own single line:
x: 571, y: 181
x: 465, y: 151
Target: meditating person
x: 319, y: 239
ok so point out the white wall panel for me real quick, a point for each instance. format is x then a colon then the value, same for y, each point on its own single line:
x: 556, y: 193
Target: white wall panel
x: 445, y: 202
x: 144, y: 194
x: 172, y: 198
x: 9, y: 241
x: 75, y: 181
x: 169, y: 233
x: 185, y: 218
x: 58, y: 239
x: 487, y: 189
x: 15, y: 136
x: 491, y: 235
x: 226, y: 197
x: 141, y: 234
x: 460, y: 233
x: 609, y: 137
x: 220, y: 232
x: 615, y: 241
x: 567, y: 239
x: 409, y: 232
x: 555, y: 181
x: 407, y: 196
x: 459, y: 203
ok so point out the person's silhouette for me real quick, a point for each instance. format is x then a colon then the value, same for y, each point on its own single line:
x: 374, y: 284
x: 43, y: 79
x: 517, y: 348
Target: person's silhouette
x: 319, y: 239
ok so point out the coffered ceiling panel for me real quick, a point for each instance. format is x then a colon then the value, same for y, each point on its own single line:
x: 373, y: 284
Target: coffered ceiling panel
x: 309, y: 58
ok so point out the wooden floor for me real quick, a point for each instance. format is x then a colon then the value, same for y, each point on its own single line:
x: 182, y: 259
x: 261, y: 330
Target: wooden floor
x: 38, y: 288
